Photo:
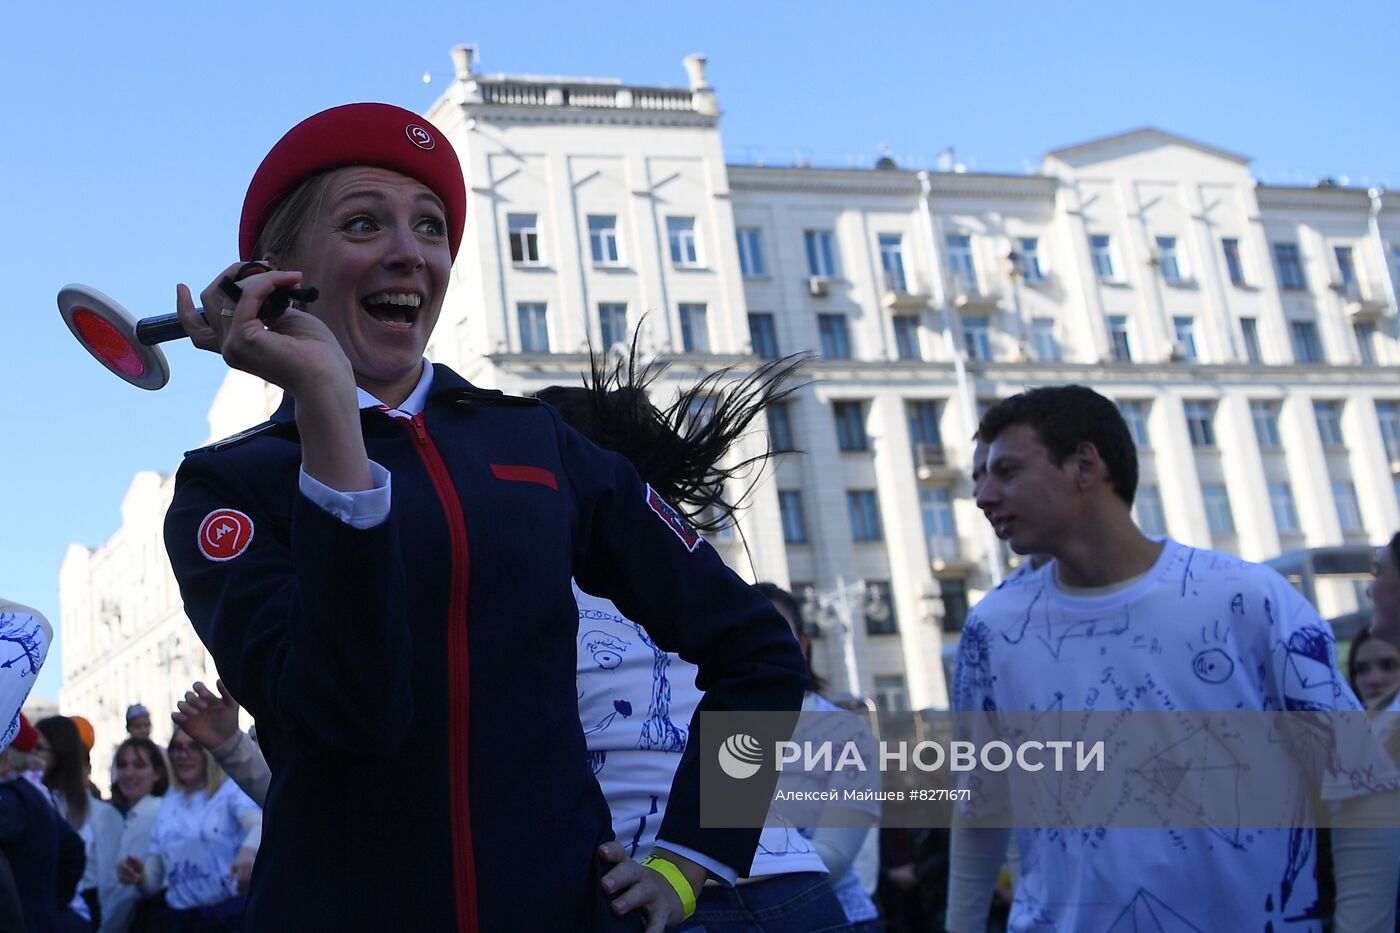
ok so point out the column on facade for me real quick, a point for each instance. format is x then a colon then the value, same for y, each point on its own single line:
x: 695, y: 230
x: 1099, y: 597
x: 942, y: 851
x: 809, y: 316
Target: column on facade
x: 1243, y: 465
x: 1077, y: 275
x: 1370, y: 467
x: 1176, y: 465
x: 1307, y: 462
x: 911, y: 577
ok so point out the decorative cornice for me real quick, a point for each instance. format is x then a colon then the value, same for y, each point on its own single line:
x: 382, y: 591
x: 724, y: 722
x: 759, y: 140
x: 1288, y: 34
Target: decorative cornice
x: 1145, y: 134
x: 1326, y: 198
x: 587, y: 116
x: 888, y: 181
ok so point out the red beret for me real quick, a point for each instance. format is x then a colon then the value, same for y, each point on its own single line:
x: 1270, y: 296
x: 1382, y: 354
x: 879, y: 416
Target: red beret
x: 381, y: 135
x: 27, y: 739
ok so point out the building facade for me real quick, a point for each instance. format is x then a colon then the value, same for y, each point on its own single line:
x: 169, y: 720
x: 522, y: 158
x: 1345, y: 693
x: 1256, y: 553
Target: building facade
x: 1248, y: 333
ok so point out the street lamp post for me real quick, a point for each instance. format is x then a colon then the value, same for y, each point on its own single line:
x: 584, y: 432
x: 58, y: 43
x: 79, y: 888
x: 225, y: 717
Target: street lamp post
x: 833, y: 611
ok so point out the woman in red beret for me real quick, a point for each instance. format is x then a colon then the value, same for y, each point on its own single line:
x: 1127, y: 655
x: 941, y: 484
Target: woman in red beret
x: 382, y: 572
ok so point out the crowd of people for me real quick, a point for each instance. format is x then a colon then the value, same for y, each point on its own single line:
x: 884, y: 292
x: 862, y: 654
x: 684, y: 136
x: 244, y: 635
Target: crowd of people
x: 474, y: 631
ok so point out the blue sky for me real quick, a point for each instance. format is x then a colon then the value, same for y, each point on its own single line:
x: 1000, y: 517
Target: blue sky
x: 130, y: 131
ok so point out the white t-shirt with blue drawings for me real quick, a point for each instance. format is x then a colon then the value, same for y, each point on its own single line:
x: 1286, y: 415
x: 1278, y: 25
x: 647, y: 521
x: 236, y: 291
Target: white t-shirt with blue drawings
x: 1200, y: 631
x: 635, y: 703
x: 197, y: 838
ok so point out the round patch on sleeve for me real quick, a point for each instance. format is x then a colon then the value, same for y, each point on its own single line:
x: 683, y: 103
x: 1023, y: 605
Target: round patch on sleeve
x: 224, y: 534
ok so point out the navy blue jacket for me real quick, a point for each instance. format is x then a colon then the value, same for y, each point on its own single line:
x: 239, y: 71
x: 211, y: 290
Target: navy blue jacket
x: 45, y: 855
x: 413, y: 683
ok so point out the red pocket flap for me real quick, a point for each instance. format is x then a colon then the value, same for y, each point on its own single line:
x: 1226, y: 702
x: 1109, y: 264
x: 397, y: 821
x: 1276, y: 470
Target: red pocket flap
x: 525, y: 474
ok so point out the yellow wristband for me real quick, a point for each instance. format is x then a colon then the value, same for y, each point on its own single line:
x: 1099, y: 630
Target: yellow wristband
x: 672, y: 874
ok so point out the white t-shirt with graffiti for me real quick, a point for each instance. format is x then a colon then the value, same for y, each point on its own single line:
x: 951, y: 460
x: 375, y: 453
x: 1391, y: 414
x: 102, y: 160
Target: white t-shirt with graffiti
x: 635, y: 703
x: 197, y: 838
x: 1199, y: 631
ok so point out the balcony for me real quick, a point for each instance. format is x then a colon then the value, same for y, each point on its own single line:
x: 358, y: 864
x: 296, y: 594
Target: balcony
x: 931, y: 462
x: 1362, y: 303
x: 946, y: 554
x: 970, y: 295
x: 901, y: 294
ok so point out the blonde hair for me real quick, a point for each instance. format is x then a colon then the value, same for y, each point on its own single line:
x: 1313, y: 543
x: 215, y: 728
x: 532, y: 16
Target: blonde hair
x: 291, y: 217
x: 214, y: 774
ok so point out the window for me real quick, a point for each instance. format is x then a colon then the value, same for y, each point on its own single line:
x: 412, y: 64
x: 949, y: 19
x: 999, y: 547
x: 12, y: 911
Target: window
x: 890, y: 696
x: 892, y: 262
x: 1218, y: 513
x: 1289, y: 266
x: 864, y: 511
x: 922, y: 418
x: 1028, y: 260
x: 680, y: 231
x: 780, y: 426
x: 763, y: 333
x: 879, y: 609
x: 940, y: 528
x: 835, y: 338
x: 794, y: 526
x: 961, y: 266
x: 1151, y: 517
x: 1249, y: 328
x: 1185, y: 328
x: 534, y: 327
x: 1118, y: 337
x: 906, y: 337
x: 524, y: 239
x: 1365, y: 332
x: 1265, y: 416
x: 612, y: 324
x: 850, y: 426
x: 1346, y: 270
x: 953, y: 593
x: 695, y: 329
x: 1200, y: 423
x: 1329, y: 423
x: 1135, y: 415
x: 1168, y: 261
x: 821, y: 253
x: 977, y: 338
x: 602, y: 239
x: 750, y: 253
x: 1043, y: 342
x: 1102, y: 255
x: 1233, y: 264
x: 1306, y: 347
x: 1348, y: 508
x: 1388, y: 414
x: 1285, y: 515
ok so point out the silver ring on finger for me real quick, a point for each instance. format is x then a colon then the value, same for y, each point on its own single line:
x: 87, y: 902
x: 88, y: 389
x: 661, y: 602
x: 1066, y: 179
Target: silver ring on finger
x: 226, y: 312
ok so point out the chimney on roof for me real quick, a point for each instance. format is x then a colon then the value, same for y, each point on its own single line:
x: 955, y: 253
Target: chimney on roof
x: 462, y: 57
x: 695, y: 67
x: 701, y: 92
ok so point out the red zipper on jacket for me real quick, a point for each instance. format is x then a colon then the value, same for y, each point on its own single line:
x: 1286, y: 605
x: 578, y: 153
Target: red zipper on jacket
x: 459, y: 686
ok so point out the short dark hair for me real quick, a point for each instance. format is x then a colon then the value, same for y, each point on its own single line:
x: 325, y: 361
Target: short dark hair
x: 784, y: 599
x: 1063, y: 417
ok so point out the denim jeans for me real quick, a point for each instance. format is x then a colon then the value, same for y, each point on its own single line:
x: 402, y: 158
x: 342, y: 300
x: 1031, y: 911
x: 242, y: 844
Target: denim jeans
x: 796, y: 903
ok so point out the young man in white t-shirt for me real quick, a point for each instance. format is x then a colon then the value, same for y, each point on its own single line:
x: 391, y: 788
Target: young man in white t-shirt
x: 1116, y: 622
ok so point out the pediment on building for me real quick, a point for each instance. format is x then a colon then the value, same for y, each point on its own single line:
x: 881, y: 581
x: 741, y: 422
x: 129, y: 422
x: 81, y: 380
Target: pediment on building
x: 1134, y: 142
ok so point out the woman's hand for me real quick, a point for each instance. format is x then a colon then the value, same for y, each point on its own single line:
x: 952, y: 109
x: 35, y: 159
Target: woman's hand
x: 130, y: 870
x: 640, y: 888
x: 297, y: 351
x: 242, y: 870
x: 209, y: 720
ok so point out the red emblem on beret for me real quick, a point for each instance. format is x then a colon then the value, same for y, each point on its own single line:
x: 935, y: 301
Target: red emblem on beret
x: 224, y: 534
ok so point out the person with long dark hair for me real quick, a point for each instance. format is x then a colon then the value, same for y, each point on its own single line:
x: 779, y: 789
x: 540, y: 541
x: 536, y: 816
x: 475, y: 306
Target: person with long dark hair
x: 142, y: 779
x: 636, y: 700
x: 67, y: 768
x: 382, y: 573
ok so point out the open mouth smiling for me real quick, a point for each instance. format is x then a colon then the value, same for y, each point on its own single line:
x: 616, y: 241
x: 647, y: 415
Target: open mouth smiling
x: 398, y: 310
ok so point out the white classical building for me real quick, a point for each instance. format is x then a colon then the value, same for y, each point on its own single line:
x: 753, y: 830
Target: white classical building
x: 1247, y: 331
